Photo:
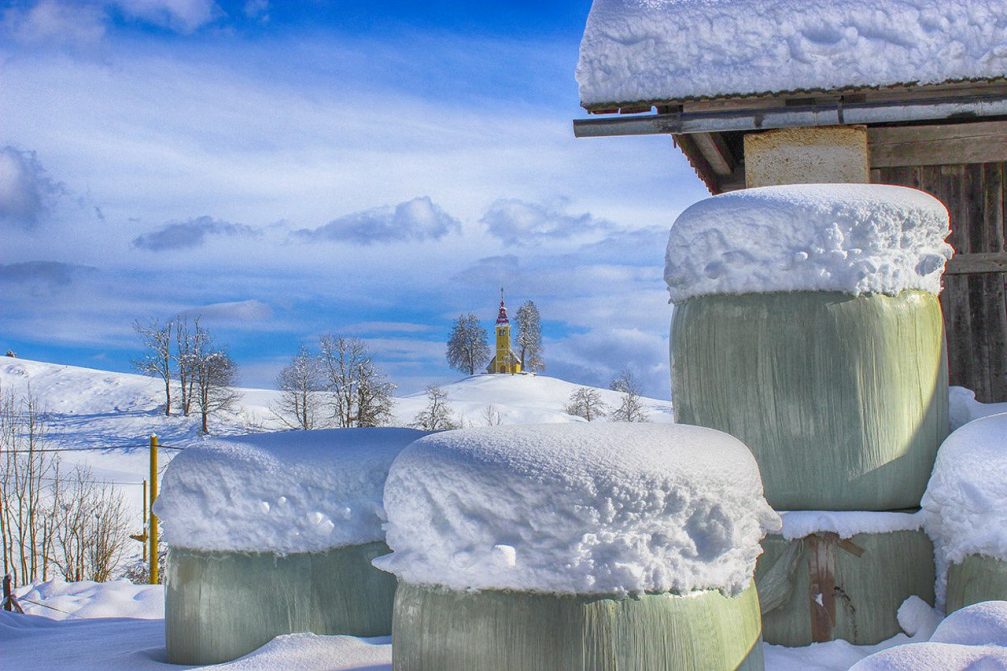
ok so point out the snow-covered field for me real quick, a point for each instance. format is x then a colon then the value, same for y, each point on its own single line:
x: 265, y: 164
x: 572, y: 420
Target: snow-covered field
x: 111, y: 415
x: 117, y: 626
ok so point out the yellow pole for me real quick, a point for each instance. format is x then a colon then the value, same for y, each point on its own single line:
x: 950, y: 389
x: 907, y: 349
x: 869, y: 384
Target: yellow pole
x: 152, y: 529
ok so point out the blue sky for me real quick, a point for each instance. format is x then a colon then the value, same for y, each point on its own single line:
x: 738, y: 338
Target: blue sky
x: 293, y: 169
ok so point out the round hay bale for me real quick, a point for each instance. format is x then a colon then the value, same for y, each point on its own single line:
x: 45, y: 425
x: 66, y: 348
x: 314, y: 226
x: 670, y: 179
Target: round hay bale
x: 585, y: 546
x: 437, y: 628
x: 823, y: 587
x: 222, y: 605
x: 843, y: 399
x: 976, y: 579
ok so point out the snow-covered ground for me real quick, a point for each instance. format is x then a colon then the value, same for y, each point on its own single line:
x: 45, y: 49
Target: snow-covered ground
x: 118, y: 627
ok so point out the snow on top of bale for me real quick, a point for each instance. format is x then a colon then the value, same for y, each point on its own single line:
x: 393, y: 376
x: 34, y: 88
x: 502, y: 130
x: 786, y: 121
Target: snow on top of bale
x: 972, y: 638
x: 584, y: 508
x: 853, y: 238
x: 659, y: 50
x: 966, y: 499
x: 286, y: 492
x: 846, y: 523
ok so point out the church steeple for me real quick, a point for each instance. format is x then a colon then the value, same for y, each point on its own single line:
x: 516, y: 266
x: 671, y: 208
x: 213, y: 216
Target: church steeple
x: 505, y: 360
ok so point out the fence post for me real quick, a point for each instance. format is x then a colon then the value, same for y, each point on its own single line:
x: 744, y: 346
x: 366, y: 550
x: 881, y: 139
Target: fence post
x: 152, y: 529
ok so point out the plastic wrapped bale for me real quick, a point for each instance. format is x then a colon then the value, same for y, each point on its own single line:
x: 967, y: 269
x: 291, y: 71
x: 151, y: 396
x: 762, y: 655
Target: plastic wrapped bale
x: 584, y: 546
x: 966, y: 513
x: 977, y: 578
x: 807, y: 324
x: 842, y: 575
x: 273, y: 534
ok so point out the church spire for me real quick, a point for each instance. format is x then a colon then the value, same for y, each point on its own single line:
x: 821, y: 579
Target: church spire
x: 502, y: 315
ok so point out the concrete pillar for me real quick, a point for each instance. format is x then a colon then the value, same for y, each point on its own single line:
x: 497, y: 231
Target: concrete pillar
x: 830, y: 154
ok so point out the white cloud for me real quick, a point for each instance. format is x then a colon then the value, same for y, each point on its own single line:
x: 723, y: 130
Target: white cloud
x: 49, y: 22
x: 416, y: 219
x: 191, y: 233
x: 233, y: 311
x: 26, y: 191
x: 518, y: 222
x: 182, y: 15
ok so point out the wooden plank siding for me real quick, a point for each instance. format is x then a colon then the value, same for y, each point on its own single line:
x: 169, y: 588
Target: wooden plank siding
x: 974, y: 303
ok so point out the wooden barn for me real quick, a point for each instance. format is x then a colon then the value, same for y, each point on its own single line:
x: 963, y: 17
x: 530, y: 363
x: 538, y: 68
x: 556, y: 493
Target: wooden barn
x: 913, y: 94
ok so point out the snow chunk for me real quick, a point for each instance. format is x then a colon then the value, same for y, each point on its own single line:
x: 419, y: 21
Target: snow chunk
x: 292, y: 491
x: 918, y: 618
x: 800, y: 523
x: 966, y: 499
x: 963, y: 407
x: 658, y: 50
x: 974, y: 637
x: 853, y: 238
x: 583, y: 508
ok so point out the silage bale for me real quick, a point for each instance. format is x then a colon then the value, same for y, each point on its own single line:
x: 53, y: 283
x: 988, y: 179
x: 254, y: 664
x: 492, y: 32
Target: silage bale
x: 966, y: 513
x: 807, y: 324
x: 273, y: 534
x: 842, y: 575
x: 222, y: 605
x: 575, y: 547
x: 975, y: 579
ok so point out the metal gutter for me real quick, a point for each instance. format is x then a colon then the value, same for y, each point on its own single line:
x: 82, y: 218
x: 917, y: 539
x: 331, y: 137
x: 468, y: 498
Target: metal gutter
x: 826, y: 114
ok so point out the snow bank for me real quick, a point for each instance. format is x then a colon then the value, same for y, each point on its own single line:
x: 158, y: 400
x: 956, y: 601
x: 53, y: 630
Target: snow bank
x: 963, y: 407
x: 58, y: 599
x: 853, y: 238
x: 310, y: 652
x: 800, y: 523
x: 294, y: 491
x: 966, y: 500
x: 653, y: 50
x: 584, y: 508
x: 972, y: 638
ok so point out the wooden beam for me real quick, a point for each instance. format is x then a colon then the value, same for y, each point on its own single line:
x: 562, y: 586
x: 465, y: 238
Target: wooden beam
x: 984, y: 262
x: 716, y: 153
x: 938, y: 144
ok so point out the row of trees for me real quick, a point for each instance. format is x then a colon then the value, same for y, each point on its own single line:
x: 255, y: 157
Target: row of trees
x: 469, y: 348
x: 52, y: 522
x: 206, y: 373
x: 338, y: 386
x: 586, y: 402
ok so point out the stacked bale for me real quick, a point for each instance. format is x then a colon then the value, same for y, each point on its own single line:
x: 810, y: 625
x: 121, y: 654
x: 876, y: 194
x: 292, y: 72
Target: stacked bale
x: 576, y: 547
x: 807, y: 324
x: 966, y: 513
x: 273, y: 534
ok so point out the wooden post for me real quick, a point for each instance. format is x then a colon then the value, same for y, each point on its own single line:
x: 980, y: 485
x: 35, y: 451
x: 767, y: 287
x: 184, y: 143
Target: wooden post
x: 9, y: 600
x: 152, y: 519
x: 822, y: 585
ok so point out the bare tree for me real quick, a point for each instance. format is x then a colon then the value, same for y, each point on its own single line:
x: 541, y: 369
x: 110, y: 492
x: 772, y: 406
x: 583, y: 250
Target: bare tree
x: 214, y: 373
x: 91, y: 529
x: 187, y: 340
x: 468, y: 347
x: 631, y: 408
x: 300, y: 385
x: 492, y: 416
x: 436, y: 416
x: 586, y: 402
x: 529, y: 337
x: 156, y: 359
x: 48, y: 521
x: 361, y: 394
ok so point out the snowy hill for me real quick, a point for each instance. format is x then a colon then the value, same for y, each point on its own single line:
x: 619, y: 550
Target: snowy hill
x: 111, y: 415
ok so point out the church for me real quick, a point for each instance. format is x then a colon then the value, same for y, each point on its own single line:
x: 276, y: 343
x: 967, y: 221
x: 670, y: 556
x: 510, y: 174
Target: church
x: 504, y: 361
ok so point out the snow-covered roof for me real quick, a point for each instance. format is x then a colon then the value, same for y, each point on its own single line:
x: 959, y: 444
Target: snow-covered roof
x: 292, y: 491
x: 664, y: 50
x: 581, y: 508
x: 853, y: 238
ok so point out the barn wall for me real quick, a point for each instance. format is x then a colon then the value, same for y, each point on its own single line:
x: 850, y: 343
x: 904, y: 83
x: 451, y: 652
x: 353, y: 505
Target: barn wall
x: 974, y: 304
